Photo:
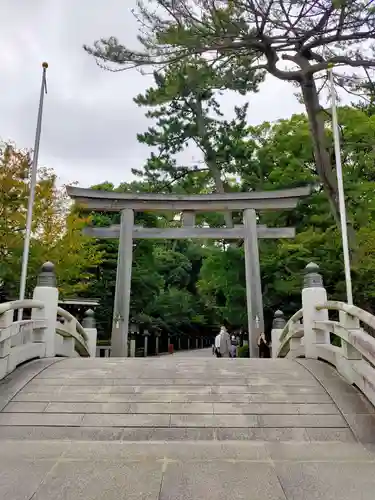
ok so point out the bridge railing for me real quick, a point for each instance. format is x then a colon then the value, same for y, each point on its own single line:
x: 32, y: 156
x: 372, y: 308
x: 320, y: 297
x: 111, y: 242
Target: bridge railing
x: 290, y: 340
x: 17, y: 337
x: 72, y: 336
x: 48, y: 331
x: 344, y: 342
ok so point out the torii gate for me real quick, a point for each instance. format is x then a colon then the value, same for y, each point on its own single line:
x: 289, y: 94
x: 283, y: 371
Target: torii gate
x: 189, y: 205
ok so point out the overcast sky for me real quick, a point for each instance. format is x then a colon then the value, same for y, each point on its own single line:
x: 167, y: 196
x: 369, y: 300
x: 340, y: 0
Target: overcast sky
x: 90, y: 121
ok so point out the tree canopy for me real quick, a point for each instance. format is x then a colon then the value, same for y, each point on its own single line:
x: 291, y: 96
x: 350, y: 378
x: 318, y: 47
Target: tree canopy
x: 198, y: 49
x: 295, y: 41
x: 56, y: 230
x: 186, y: 286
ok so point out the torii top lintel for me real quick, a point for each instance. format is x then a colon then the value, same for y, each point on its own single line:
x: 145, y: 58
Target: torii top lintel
x: 111, y: 201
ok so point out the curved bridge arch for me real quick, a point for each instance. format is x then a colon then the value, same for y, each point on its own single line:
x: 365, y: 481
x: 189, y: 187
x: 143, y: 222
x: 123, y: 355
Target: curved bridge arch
x: 301, y: 399
x: 183, y: 425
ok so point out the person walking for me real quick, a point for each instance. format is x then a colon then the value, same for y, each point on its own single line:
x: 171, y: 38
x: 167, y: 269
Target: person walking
x: 225, y: 344
x: 264, y: 350
x: 217, y: 345
x: 233, y: 347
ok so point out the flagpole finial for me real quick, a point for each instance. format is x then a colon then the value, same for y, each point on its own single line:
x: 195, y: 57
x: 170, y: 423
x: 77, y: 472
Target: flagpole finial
x: 45, y: 65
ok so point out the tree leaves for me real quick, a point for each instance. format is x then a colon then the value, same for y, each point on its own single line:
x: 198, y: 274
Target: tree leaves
x: 239, y: 41
x: 56, y: 232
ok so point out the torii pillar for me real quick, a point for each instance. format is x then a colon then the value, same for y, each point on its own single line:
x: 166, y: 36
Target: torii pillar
x: 121, y: 310
x: 254, y: 299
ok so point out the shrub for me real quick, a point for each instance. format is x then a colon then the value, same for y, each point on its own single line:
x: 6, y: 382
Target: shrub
x: 243, y: 351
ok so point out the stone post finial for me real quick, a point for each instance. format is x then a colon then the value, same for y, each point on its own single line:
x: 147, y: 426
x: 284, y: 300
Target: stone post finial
x: 134, y: 330
x: 89, y: 319
x: 313, y: 294
x: 47, y: 275
x: 279, y: 320
x: 312, y: 279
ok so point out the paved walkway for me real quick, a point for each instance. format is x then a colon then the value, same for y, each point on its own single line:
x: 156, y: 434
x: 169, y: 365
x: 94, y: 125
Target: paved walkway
x: 196, y: 353
x: 184, y: 427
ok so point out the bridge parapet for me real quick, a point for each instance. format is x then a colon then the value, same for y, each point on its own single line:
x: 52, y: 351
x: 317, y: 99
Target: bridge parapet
x: 50, y: 331
x: 344, y: 343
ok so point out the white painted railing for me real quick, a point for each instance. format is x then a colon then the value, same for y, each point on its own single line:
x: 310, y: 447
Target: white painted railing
x: 309, y: 333
x: 17, y: 342
x: 72, y: 337
x: 355, y: 358
x: 291, y: 337
x: 24, y: 340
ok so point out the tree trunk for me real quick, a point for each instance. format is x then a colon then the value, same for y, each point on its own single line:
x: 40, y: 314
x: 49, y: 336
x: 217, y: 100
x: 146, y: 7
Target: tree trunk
x: 219, y: 186
x: 319, y: 138
x: 210, y: 156
x: 323, y: 162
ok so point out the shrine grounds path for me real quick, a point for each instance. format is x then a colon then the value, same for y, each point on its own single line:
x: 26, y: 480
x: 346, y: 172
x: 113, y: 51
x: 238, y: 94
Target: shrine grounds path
x: 184, y: 427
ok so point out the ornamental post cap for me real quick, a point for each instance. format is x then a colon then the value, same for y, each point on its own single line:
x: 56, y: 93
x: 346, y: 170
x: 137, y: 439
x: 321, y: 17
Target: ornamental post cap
x: 89, y: 319
x: 312, y: 268
x: 47, y: 276
x: 312, y: 278
x: 48, y: 267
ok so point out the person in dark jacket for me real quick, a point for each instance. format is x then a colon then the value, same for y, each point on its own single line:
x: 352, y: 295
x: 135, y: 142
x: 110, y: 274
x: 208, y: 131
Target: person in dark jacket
x: 264, y: 350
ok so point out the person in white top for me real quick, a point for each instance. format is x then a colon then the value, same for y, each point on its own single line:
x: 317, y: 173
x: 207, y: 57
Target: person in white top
x: 223, y: 343
x: 217, y: 345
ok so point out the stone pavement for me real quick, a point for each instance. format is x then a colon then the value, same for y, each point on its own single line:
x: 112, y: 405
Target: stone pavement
x: 195, y: 353
x: 184, y: 427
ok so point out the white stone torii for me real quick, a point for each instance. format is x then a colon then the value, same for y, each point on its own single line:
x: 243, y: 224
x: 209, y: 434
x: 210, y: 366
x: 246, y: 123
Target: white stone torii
x: 127, y: 203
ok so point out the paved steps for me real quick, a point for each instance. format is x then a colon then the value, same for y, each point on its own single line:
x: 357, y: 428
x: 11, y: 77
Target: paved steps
x: 174, y: 398
x: 184, y: 427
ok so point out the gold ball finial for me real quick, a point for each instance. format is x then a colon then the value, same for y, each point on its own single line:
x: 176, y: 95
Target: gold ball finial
x: 45, y: 65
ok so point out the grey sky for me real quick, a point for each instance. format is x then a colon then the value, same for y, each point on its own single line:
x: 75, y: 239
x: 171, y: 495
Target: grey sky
x: 90, y: 120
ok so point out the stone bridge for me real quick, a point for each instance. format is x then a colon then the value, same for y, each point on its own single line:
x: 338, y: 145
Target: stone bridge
x: 184, y: 427
x: 190, y: 426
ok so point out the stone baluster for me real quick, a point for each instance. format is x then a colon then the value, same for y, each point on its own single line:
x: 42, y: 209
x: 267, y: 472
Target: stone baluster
x: 179, y: 342
x: 197, y: 343
x: 89, y: 326
x: 146, y: 335
x: 348, y: 352
x: 47, y: 292
x: 277, y: 327
x: 351, y: 323
x: 133, y: 339
x: 6, y: 320
x: 157, y: 338
x: 313, y: 294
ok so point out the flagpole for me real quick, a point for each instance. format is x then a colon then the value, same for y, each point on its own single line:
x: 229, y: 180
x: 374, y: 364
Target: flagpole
x: 340, y: 183
x: 34, y: 169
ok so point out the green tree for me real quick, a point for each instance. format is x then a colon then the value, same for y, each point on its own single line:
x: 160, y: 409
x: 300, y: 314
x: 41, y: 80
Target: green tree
x: 186, y: 110
x: 311, y: 35
x: 285, y: 156
x: 56, y: 232
x: 164, y: 277
x: 222, y: 284
x: 184, y: 286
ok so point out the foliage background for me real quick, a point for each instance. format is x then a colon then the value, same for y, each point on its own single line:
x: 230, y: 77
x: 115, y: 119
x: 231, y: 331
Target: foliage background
x: 191, y: 287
